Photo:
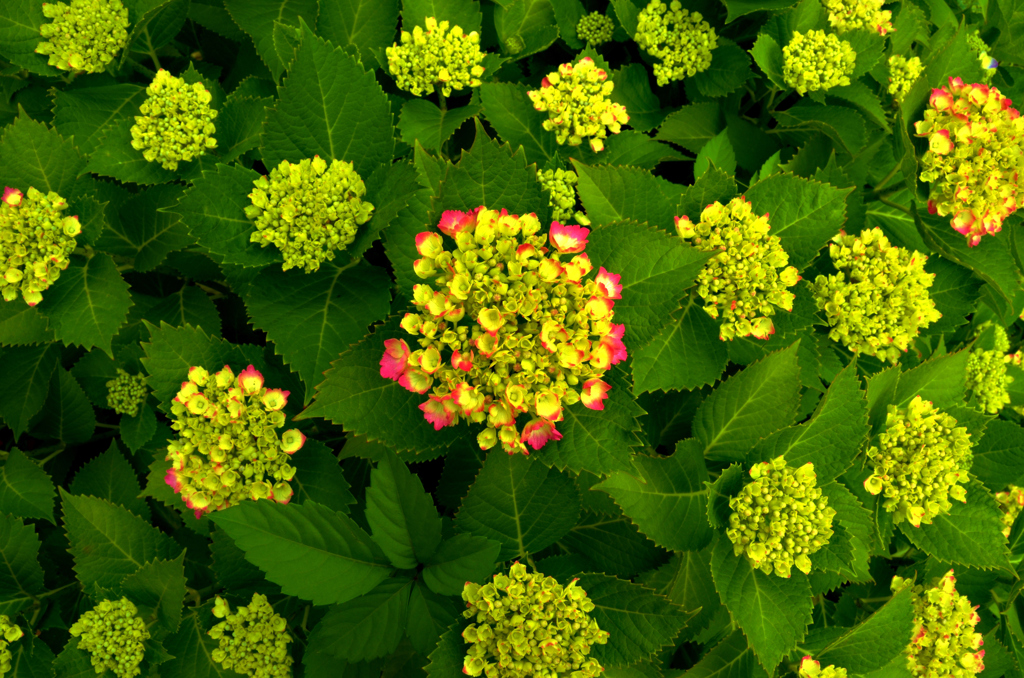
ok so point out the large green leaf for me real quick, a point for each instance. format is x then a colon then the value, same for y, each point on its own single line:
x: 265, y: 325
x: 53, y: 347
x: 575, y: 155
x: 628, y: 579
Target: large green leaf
x: 738, y: 8
x: 110, y: 476
x: 686, y: 581
x: 463, y: 558
x: 731, y: 658
x: 612, y: 194
x: 26, y: 490
x: 519, y: 502
x: 401, y: 514
x: 729, y: 69
x: 881, y: 638
x: 19, y: 35
x: 611, y: 544
x: 25, y: 382
x: 89, y: 113
x: 193, y: 648
x: 21, y: 576
x: 511, y: 113
x: 430, y: 615
x: 115, y: 157
x: 37, y: 156
x: 367, y: 25
x: 257, y: 18
x: 999, y: 456
x: 240, y: 124
x: 366, y: 627
x: 633, y: 90
x: 33, y: 658
x: 158, y: 589
x: 668, y: 502
x: 143, y: 232
x: 21, y: 324
x: 844, y: 126
x: 67, y: 414
x: 941, y: 380
x: 712, y: 186
x: 531, y: 23
x: 319, y: 478
x: 309, y: 550
x: 692, y: 126
x: 422, y: 121
x: 685, y: 354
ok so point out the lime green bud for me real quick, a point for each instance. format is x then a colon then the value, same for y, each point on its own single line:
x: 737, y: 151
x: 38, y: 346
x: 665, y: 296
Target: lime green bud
x: 987, y: 380
x: 809, y: 668
x: 816, y: 60
x: 126, y: 393
x: 114, y: 634
x: 85, y: 35
x: 561, y: 187
x: 176, y: 124
x: 944, y: 643
x: 921, y: 461
x: 253, y: 641
x: 780, y: 518
x: 1010, y: 503
x: 903, y: 73
x: 525, y: 624
x: 680, y: 38
x: 308, y: 210
x: 850, y: 15
x: 576, y: 99
x: 748, y: 276
x: 595, y: 28
x: 878, y: 301
x: 35, y: 242
x: 436, y: 56
x: 9, y: 633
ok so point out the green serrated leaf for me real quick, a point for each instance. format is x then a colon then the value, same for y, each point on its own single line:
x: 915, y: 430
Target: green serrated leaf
x: 881, y: 638
x: 37, y: 156
x: 843, y: 125
x: 19, y: 36
x: 366, y: 627
x: 114, y: 157
x: 531, y: 21
x: 138, y: 430
x: 611, y: 544
x: 999, y: 456
x: 239, y: 125
x: 143, y: 232
x: 633, y: 90
x: 26, y: 490
x: 767, y: 54
x: 717, y: 152
x: 158, y: 589
x: 23, y: 325
x: 517, y: 122
x: 691, y: 126
x: 611, y: 194
x: 67, y: 414
x: 940, y: 380
x: 730, y: 68
x: 257, y: 18
x: 367, y: 25
x: 461, y: 559
x: 686, y: 581
x: 89, y: 113
x: 712, y: 186
x: 464, y: 13
x: 685, y: 354
x: 110, y: 476
x: 21, y: 576
x: 447, y: 658
x: 430, y: 615
x: 401, y: 515
x: 421, y: 121
x: 731, y: 658
x: 193, y: 648
x: 319, y: 478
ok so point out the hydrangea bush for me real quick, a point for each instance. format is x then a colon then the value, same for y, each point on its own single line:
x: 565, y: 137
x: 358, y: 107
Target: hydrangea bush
x: 511, y: 338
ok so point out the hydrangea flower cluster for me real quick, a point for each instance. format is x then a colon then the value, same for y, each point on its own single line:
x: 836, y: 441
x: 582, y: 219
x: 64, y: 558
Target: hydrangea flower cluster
x: 680, y: 38
x: 1010, y: 502
x: 975, y: 157
x: 780, y: 518
x: 252, y: 641
x: 526, y: 624
x: 176, y: 124
x: 126, y: 393
x: 810, y: 668
x: 561, y: 186
x: 114, y: 634
x: 817, y: 60
x: 85, y: 35
x: 944, y: 644
x: 9, y: 633
x: 903, y: 73
x: 508, y: 327
x: 980, y: 49
x: 308, y: 210
x: 595, y: 29
x: 987, y: 379
x: 850, y: 15
x: 748, y: 276
x: 576, y: 101
x: 878, y: 301
x: 436, y: 56
x: 919, y: 463
x: 228, y: 449
x: 35, y: 242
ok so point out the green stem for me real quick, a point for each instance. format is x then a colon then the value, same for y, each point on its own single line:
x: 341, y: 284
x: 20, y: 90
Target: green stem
x: 113, y: 426
x: 60, y: 448
x: 150, y: 51
x: 895, y: 206
x: 886, y: 179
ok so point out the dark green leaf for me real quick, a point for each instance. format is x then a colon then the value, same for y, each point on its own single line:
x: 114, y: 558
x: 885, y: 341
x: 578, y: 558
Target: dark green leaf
x: 731, y: 658
x: 464, y: 13
x: 730, y: 68
x: 366, y: 627
x: 19, y: 35
x: 158, y: 589
x: 881, y: 638
x: 89, y: 113
x: 67, y: 415
x: 462, y: 558
x: 683, y: 355
x: 633, y: 90
x: 21, y: 324
x: 692, y: 126
x: 422, y: 121
x: 21, y: 577
x: 138, y: 430
x: 367, y: 25
x: 717, y: 152
x: 429, y: 615
x: 401, y: 514
x: 26, y: 490
x: 516, y: 121
x: 999, y: 455
x: 193, y: 648
x: 686, y: 581
x: 36, y: 156
x: 110, y: 476
x: 257, y: 18
x: 940, y: 380
x: 319, y: 478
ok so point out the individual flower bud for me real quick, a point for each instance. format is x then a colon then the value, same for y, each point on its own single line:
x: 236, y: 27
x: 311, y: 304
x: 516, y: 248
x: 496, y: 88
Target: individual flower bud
x: 809, y: 668
x: 903, y: 73
x: 560, y: 185
x: 816, y: 60
x: 253, y: 641
x: 449, y: 60
x: 114, y: 635
x: 987, y: 380
x: 1010, y: 502
x: 83, y: 36
x: 681, y: 39
x: 36, y: 241
x: 595, y: 29
x: 851, y: 15
x: 576, y: 99
x: 176, y: 122
x: 126, y: 393
x: 921, y: 460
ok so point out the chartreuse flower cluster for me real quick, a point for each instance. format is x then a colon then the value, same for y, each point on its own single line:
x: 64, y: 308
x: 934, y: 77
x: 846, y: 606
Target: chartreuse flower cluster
x: 561, y: 186
x: 308, y: 210
x: 817, y: 60
x: 921, y: 460
x: 975, y: 157
x: 810, y: 668
x: 987, y: 379
x: 35, y: 243
x: 1010, y: 502
x: 126, y: 393
x: 576, y: 100
x: 850, y: 15
x: 436, y: 56
x: 85, y: 35
x: 903, y: 73
x: 253, y: 640
x: 680, y: 38
x: 526, y: 624
x: 114, y: 634
x: 595, y: 29
x: 9, y: 633
x: 780, y: 518
x: 748, y: 276
x: 176, y: 124
x: 508, y: 327
x: 980, y: 49
x: 878, y: 302
x: 228, y: 449
x: 944, y: 644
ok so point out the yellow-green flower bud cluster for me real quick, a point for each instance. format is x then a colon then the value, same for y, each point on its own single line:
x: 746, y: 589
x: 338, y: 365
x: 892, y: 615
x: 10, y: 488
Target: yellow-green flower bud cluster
x: 561, y: 187
x: 780, y: 518
x: 308, y: 210
x: 114, y: 634
x: 903, y: 73
x: 526, y: 624
x: 987, y: 379
x: 576, y: 100
x: 253, y: 640
x: 850, y: 15
x: 680, y: 38
x: 878, y: 302
x: 228, y: 449
x: 980, y: 49
x: 944, y: 643
x: 176, y: 124
x: 809, y: 668
x: 35, y: 243
x: 975, y: 157
x: 9, y: 633
x: 921, y: 460
x: 1010, y: 502
x: 595, y: 29
x: 84, y: 35
x: 436, y: 56
x: 126, y: 393
x: 817, y: 60
x: 748, y: 276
